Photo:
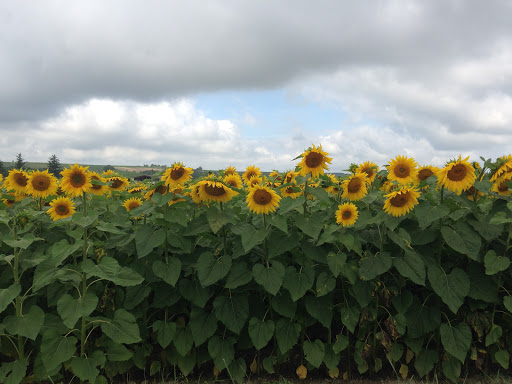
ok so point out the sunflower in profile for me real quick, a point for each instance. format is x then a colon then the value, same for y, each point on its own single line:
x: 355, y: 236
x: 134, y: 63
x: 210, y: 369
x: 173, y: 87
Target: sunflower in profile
x: 176, y: 191
x: 262, y: 199
x: 41, y: 184
x: 98, y: 189
x: 61, y: 208
x: 250, y: 172
x: 9, y: 199
x: 274, y: 175
x: 470, y: 193
x: 425, y: 171
x: 108, y: 173
x: 346, y: 214
x: 1, y: 177
x: 314, y: 161
x: 137, y: 188
x: 403, y: 170
x: 118, y: 183
x: 457, y: 176
x: 370, y: 168
x: 211, y: 190
x: 132, y: 203
x: 400, y: 202
x: 503, y: 169
x: 501, y: 188
x: 233, y: 180
x: 292, y: 191
x: 161, y: 189
x: 176, y: 175
x: 290, y: 176
x: 76, y: 181
x: 17, y: 180
x: 194, y: 194
x: 230, y: 170
x: 354, y: 188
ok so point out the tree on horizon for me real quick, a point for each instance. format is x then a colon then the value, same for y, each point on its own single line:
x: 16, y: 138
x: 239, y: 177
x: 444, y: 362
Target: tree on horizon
x: 54, y: 166
x: 19, y: 163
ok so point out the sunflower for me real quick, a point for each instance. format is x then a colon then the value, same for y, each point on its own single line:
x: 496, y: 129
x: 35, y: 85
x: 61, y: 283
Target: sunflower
x: 255, y: 181
x: 230, y: 170
x: 274, y: 174
x: 400, y: 202
x: 457, y: 176
x: 503, y: 169
x: 161, y: 189
x: 403, y: 170
x: 210, y: 190
x: 1, y: 177
x: 13, y: 197
x: 76, y: 181
x: 41, y: 184
x: 108, y: 173
x: 370, y: 168
x: 470, y: 193
x: 98, y: 189
x: 314, y: 161
x: 176, y: 199
x: 61, y: 208
x: 291, y: 191
x: 194, y: 194
x: 17, y: 180
x: 354, y: 188
x: 501, y: 188
x: 346, y: 214
x: 177, y: 174
x: 233, y: 180
x: 262, y: 199
x: 250, y: 171
x: 132, y: 203
x: 118, y: 183
x: 137, y: 189
x: 290, y: 176
x: 425, y: 171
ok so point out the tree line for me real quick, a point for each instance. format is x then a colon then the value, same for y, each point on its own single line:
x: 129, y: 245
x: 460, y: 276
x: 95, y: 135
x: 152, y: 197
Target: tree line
x: 54, y: 165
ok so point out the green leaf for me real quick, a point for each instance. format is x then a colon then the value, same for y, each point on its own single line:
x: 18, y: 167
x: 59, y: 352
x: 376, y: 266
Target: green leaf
x: 154, y: 368
x: 287, y: 204
x: 427, y: 213
x: 284, y: 305
x: 421, y: 319
x: 237, y: 370
x: 374, y: 265
x: 252, y: 237
x: 183, y: 340
x: 122, y: 328
x: 503, y: 358
x: 109, y: 269
x: 396, y: 352
x: 494, y: 334
x: 217, y: 219
x: 456, y: 340
x: 71, y: 309
x: 17, y: 370
x: 411, y: 266
x: 194, y: 292
x: 148, y: 238
x: 56, y: 349
x: 311, y: 226
x: 298, y: 283
x: 425, y: 361
x: 314, y: 352
x: 269, y: 278
x: 187, y: 363
x: 168, y: 272
x: 320, y: 308
x: 278, y: 221
x: 280, y: 243
x: 203, y: 325
x: 164, y: 332
x: 494, y: 263
x: 268, y: 363
x: 507, y: 302
x: 350, y: 317
x: 28, y: 325
x: 84, y: 221
x: 85, y: 368
x: 232, y: 311
x: 321, y: 194
x: 340, y: 344
x: 60, y: 251
x: 110, y: 228
x: 135, y: 295
x: 8, y: 295
x: 336, y: 262
x: 500, y: 218
x: 452, y: 288
x: 118, y: 352
x: 287, y: 333
x: 239, y: 275
x: 23, y: 243
x: 222, y: 351
x: 324, y: 284
x: 451, y: 369
x: 463, y: 240
x: 211, y: 269
x: 260, y: 332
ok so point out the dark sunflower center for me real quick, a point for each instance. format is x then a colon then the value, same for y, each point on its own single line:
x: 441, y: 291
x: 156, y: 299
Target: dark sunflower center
x: 95, y: 186
x: 250, y: 174
x: 77, y: 180
x: 254, y: 181
x: 354, y: 185
x: 289, y: 190
x: 471, y: 191
x: 214, y: 190
x: 62, y: 209
x: 314, y: 159
x: 176, y: 174
x: 402, y: 170
x: 59, y: 191
x: 347, y: 215
x: 288, y: 178
x: 400, y: 200
x: 133, y: 204
x: 231, y: 182
x: 503, y: 187
x: 20, y: 180
x: 41, y: 183
x: 424, y: 174
x: 117, y: 183
x: 262, y: 197
x: 368, y: 171
x: 457, y: 173
x: 161, y: 189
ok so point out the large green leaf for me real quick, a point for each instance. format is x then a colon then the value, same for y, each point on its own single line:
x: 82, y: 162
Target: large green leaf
x: 8, y: 295
x: 60, y: 251
x: 56, y: 349
x: 284, y: 305
x: 287, y: 204
x: 350, y: 317
x: 109, y: 269
x: 421, y: 319
x: 336, y: 262
x: 183, y: 340
x: 503, y: 358
x: 14, y: 372
x: 411, y: 266
x: 203, y: 325
x: 494, y: 334
x: 298, y: 283
x: 118, y: 352
x: 28, y: 325
x: 71, y: 309
x: 280, y: 243
x: 271, y: 277
x: 374, y: 265
x: 287, y: 333
x: 239, y: 275
x: 425, y: 361
x: 232, y: 311
x: 462, y: 239
x: 451, y: 368
x: 260, y: 332
x: 252, y: 237
x: 22, y: 243
x: 168, y: 272
x: 222, y: 351
x: 211, y: 269
x: 320, y: 308
x: 148, y: 238
x: 456, y: 340
x: 311, y: 226
x: 452, y: 287
x: 164, y: 332
x: 314, y: 352
x: 194, y: 292
x: 85, y: 368
x: 427, y: 213
x: 325, y: 284
x: 217, y: 218
x: 341, y: 343
x: 122, y: 328
x: 494, y: 263
x: 237, y: 370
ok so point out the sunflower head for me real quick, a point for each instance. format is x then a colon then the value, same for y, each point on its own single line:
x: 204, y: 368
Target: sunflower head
x: 17, y: 180
x: 233, y: 180
x: 291, y: 191
x: 403, y: 170
x: 99, y: 185
x: 61, y: 208
x: 41, y: 184
x: 76, y: 180
x: 354, y: 188
x: 230, y: 170
x: 261, y: 199
x: 369, y: 168
x: 457, y: 176
x: 314, y: 161
x: 177, y: 174
x: 290, y: 177
x: 132, y: 203
x: 194, y: 194
x: 503, y: 166
x: 401, y: 201
x: 346, y: 214
x: 118, y: 183
x: 251, y: 171
x: 501, y: 188
x: 210, y: 190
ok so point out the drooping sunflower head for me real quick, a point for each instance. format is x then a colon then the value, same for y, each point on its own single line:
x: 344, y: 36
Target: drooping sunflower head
x: 177, y: 174
x: 251, y: 171
x: 137, y: 188
x: 215, y: 191
x: 61, y: 208
x: 470, y: 193
x: 403, y: 170
x: 261, y: 199
x: 501, y: 188
x: 290, y: 177
x: 109, y: 173
x: 401, y: 202
x: 354, y: 188
x: 370, y: 168
x: 314, y: 161
x: 99, y: 185
x: 41, y: 184
x: 118, y: 183
x: 291, y: 191
x: 76, y: 180
x: 274, y: 174
x: 194, y: 194
x: 230, y: 170
x: 504, y: 167
x: 346, y: 214
x: 457, y: 176
x: 17, y: 180
x: 132, y: 203
x: 1, y: 177
x: 233, y: 180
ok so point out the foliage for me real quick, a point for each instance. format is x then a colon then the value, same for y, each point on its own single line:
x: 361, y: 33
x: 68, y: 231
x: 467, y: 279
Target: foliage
x: 19, y: 163
x: 54, y: 165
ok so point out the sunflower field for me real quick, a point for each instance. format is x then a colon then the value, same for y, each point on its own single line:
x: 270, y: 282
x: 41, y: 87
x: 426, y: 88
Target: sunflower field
x: 399, y: 270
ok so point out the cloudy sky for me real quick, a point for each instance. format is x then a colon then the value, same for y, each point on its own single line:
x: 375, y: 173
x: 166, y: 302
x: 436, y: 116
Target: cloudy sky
x: 241, y: 82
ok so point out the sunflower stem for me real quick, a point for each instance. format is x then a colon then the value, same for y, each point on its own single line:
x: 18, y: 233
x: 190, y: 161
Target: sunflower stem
x: 305, y: 196
x: 442, y: 194
x: 19, y: 299
x: 84, y: 278
x: 265, y: 246
x: 223, y: 228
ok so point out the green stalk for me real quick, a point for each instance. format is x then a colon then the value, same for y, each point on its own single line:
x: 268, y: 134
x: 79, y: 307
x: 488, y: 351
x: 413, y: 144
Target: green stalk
x: 84, y: 278
x: 19, y: 299
x: 265, y: 246
x: 223, y: 229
